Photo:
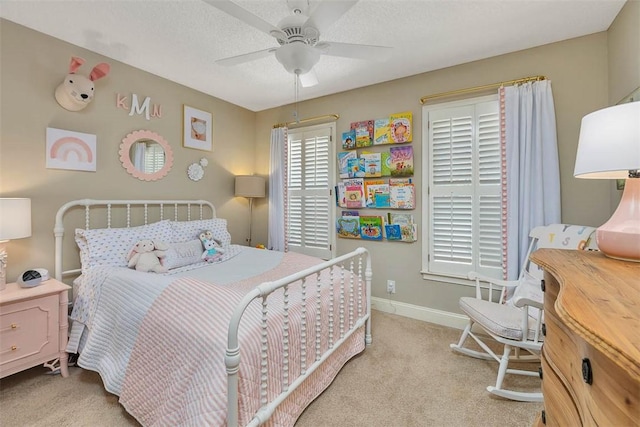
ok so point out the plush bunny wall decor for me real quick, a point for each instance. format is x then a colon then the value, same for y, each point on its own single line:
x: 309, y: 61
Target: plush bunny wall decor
x: 76, y: 91
x: 146, y: 254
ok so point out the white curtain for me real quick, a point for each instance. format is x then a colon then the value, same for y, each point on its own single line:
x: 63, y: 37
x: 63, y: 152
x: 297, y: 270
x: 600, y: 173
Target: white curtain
x: 277, y: 190
x: 533, y: 171
x: 140, y: 149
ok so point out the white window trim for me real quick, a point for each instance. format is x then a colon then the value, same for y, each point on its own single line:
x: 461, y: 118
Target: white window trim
x: 332, y: 175
x: 426, y: 274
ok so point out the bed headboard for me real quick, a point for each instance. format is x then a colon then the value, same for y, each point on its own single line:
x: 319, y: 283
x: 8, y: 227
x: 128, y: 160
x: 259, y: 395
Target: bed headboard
x: 120, y: 213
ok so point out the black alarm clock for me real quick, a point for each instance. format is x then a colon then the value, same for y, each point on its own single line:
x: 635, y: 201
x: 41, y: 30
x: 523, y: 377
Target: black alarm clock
x: 32, y: 278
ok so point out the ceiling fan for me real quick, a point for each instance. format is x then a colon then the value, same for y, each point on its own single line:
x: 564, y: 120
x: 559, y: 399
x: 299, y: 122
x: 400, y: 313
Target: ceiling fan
x: 299, y: 37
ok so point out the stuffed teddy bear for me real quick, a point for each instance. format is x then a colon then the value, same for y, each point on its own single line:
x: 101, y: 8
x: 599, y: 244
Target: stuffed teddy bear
x: 76, y: 90
x: 146, y: 255
x: 212, y: 249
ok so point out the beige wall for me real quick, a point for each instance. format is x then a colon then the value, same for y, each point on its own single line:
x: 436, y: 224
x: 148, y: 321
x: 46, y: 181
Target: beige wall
x: 32, y: 67
x: 624, y: 52
x: 578, y: 69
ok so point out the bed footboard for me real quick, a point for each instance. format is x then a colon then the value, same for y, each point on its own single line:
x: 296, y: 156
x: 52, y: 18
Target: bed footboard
x: 349, y: 286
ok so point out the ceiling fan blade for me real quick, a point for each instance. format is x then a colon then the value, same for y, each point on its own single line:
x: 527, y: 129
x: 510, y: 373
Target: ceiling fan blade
x: 357, y: 51
x: 327, y: 12
x: 246, y: 57
x: 308, y: 79
x: 244, y: 15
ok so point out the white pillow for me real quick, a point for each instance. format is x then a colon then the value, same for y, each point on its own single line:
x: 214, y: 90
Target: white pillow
x: 183, y: 231
x: 183, y: 253
x: 110, y: 246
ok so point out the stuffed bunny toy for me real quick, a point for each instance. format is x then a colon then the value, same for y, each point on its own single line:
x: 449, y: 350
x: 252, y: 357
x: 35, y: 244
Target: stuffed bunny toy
x: 146, y: 255
x: 212, y: 249
x: 76, y: 91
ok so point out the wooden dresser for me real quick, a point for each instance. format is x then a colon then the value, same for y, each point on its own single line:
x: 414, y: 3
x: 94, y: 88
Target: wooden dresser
x: 591, y: 354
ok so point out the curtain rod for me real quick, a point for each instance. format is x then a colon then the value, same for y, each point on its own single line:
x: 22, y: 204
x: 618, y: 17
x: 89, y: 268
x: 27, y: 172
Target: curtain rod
x: 310, y: 119
x: 478, y: 88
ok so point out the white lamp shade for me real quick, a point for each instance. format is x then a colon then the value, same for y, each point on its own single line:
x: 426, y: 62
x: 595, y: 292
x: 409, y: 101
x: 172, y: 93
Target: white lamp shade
x: 15, y: 218
x: 250, y: 186
x: 609, y: 144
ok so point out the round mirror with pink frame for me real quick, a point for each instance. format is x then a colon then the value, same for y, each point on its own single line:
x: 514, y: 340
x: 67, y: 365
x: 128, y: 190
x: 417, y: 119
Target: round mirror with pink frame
x: 146, y: 155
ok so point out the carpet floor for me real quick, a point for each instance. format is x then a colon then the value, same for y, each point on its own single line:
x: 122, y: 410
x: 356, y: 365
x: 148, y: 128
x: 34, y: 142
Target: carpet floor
x: 408, y: 377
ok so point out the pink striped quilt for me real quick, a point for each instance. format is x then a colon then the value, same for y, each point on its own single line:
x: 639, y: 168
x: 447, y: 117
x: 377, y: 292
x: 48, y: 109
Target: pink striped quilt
x: 176, y: 373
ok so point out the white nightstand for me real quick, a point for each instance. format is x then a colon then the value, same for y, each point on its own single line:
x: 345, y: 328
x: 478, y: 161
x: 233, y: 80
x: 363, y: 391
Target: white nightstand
x: 33, y: 327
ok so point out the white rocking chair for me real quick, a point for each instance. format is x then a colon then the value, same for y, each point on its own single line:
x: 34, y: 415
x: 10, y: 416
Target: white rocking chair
x: 512, y: 314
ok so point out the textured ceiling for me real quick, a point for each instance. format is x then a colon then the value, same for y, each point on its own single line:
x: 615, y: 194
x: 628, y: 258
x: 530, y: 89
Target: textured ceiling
x: 181, y: 39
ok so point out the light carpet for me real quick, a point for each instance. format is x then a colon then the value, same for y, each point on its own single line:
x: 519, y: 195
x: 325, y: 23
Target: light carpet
x: 408, y: 377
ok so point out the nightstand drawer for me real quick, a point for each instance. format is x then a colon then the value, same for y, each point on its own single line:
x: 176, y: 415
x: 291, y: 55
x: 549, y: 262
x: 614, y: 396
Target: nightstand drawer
x: 29, y: 331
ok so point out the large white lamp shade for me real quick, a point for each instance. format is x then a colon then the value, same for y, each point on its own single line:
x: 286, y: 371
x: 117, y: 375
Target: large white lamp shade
x: 609, y: 148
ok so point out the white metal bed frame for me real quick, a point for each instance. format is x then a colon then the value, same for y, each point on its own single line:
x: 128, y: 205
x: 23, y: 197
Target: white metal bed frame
x: 351, y: 314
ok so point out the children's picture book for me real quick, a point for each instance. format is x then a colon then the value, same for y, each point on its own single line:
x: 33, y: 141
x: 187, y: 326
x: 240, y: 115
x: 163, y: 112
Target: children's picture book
x: 372, y: 164
x: 364, y: 133
x: 402, y: 195
x: 400, y: 127
x: 385, y: 163
x: 354, y: 193
x: 393, y: 232
x: 348, y: 225
x: 409, y: 233
x: 381, y: 131
x: 402, y: 227
x: 343, y: 162
x: 371, y: 227
x: 341, y: 200
x: 400, y: 218
x: 401, y: 160
x: 355, y: 168
x: 349, y: 139
x: 376, y: 193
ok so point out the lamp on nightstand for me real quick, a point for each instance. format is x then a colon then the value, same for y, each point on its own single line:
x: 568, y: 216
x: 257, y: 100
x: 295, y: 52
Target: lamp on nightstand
x: 15, y: 223
x: 609, y: 148
x: 251, y: 187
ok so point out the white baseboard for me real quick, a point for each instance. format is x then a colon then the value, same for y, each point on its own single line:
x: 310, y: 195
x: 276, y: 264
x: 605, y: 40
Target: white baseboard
x: 439, y: 317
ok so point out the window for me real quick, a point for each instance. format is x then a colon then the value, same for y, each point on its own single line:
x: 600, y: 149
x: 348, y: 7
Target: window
x: 310, y: 202
x: 462, y: 180
x: 153, y: 157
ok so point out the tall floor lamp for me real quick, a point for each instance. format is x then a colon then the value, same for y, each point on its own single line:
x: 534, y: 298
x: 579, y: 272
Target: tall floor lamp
x: 251, y: 187
x: 15, y: 223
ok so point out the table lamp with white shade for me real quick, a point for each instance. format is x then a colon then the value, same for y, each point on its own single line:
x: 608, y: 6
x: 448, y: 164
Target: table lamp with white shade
x: 15, y: 223
x: 609, y: 148
x: 251, y: 187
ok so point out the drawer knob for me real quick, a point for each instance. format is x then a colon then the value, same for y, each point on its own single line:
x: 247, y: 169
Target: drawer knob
x: 587, y: 373
x: 543, y: 417
x: 544, y: 329
x: 14, y: 347
x: 540, y: 372
x: 14, y: 326
x: 542, y: 285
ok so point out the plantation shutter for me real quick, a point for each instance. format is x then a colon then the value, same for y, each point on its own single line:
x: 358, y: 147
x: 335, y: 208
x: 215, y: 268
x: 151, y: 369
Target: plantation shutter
x: 309, y: 192
x: 153, y: 157
x: 464, y: 229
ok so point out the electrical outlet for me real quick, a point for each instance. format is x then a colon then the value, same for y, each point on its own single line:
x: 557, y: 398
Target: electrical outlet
x: 391, y: 286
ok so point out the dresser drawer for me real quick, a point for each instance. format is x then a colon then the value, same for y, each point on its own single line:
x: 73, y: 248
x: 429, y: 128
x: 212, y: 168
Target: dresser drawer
x: 559, y: 405
x: 29, y: 332
x: 612, y: 395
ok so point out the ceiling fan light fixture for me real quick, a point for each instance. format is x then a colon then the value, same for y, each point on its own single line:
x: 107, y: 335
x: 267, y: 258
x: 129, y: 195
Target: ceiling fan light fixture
x: 297, y: 58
